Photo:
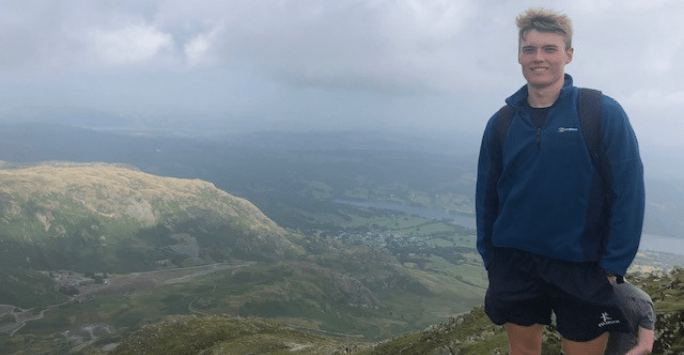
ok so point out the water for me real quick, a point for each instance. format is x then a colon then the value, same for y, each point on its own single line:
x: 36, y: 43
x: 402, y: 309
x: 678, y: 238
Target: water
x: 648, y: 241
x: 662, y: 244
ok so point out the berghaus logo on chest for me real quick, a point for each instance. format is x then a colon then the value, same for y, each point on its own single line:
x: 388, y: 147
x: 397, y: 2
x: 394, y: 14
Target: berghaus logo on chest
x: 567, y: 129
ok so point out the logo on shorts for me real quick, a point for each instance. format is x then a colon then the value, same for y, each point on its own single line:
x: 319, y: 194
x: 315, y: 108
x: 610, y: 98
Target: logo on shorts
x: 607, y: 320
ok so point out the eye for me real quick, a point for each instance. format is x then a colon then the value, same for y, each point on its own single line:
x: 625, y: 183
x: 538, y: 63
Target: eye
x: 529, y: 50
x: 550, y: 49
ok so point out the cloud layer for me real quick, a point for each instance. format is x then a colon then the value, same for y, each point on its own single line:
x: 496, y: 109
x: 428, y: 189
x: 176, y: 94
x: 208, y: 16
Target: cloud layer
x: 415, y: 62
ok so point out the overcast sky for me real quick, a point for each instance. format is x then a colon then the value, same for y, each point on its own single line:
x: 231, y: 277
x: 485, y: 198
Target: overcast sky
x: 423, y: 64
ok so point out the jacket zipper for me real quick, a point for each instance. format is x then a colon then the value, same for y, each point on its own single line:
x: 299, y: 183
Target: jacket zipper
x: 539, y: 137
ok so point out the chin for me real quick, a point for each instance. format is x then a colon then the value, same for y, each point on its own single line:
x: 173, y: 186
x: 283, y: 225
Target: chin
x: 542, y: 82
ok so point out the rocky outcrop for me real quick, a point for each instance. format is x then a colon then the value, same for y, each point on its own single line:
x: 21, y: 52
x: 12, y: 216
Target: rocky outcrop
x: 670, y: 333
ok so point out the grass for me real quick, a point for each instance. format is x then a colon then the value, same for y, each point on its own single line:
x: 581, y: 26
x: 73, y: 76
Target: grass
x: 335, y: 301
x: 469, y: 334
x: 325, y: 298
x: 454, y: 241
x: 225, y: 335
x: 57, y: 198
x: 27, y: 289
x: 397, y: 222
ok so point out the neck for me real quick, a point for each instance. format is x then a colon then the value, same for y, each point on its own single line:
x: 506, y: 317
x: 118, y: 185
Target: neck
x: 546, y: 96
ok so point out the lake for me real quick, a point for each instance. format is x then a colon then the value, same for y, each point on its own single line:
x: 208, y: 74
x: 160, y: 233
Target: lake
x: 662, y: 244
x: 429, y: 213
x: 648, y: 241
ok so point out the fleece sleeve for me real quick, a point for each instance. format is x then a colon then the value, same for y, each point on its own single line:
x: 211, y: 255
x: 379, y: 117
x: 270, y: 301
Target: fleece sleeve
x: 486, y: 196
x: 626, y: 188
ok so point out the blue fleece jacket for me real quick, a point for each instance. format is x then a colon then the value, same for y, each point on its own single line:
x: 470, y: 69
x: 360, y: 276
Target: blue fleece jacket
x: 541, y: 193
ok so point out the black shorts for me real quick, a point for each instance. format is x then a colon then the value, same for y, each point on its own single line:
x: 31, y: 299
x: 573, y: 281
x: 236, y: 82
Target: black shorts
x: 525, y: 288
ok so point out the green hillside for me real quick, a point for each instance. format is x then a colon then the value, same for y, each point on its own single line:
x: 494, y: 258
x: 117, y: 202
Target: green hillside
x: 109, y: 249
x: 474, y: 334
x: 105, y: 259
x: 467, y: 334
x: 109, y: 218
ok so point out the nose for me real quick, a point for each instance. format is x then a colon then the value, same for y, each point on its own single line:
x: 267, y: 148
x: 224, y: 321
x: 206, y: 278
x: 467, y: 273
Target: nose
x: 538, y: 55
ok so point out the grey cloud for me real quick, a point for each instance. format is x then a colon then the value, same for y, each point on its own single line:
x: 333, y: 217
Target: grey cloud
x: 248, y: 55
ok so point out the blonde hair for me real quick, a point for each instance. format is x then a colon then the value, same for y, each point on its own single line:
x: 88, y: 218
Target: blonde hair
x: 544, y: 20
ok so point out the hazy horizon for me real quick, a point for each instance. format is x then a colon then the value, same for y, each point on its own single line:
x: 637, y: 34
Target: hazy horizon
x: 412, y: 65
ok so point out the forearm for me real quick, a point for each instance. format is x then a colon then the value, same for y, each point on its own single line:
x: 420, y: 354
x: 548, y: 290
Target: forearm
x: 638, y: 350
x: 645, y: 345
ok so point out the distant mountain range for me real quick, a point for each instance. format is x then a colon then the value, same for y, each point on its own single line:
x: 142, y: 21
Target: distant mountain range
x: 90, y: 251
x: 280, y: 171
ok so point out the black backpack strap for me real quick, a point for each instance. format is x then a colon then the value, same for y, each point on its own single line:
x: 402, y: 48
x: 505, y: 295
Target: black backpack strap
x: 590, y: 113
x: 502, y: 122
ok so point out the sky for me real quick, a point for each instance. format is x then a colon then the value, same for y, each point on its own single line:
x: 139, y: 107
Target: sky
x: 430, y: 65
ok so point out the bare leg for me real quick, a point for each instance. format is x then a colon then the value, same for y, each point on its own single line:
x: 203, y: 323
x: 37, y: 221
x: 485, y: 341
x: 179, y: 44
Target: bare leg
x: 592, y: 347
x: 525, y: 340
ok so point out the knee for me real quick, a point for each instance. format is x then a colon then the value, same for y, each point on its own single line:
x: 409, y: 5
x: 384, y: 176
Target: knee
x: 525, y: 340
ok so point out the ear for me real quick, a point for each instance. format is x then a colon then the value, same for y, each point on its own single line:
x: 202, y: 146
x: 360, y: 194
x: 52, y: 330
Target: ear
x: 569, y: 52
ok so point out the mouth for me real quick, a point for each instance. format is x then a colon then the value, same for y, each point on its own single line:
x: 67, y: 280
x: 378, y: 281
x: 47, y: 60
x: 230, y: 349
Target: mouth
x: 538, y: 69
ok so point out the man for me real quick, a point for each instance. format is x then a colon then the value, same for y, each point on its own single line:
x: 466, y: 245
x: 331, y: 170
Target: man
x: 549, y: 224
x: 638, y: 308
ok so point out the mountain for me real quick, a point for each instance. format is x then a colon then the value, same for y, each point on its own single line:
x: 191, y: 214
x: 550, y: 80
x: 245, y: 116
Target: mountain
x: 100, y: 217
x: 102, y: 249
x: 91, y: 259
x: 296, y: 177
x: 470, y: 333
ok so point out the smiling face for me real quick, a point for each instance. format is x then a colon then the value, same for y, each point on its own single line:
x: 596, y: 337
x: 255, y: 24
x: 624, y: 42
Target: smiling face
x: 543, y: 57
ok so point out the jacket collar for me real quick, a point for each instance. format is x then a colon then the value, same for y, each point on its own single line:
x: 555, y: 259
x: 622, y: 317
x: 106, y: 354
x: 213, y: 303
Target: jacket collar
x: 519, y: 99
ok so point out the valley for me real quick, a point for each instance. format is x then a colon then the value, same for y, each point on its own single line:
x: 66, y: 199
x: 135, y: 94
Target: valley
x: 86, y: 288
x: 365, y: 242
x: 119, y: 248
